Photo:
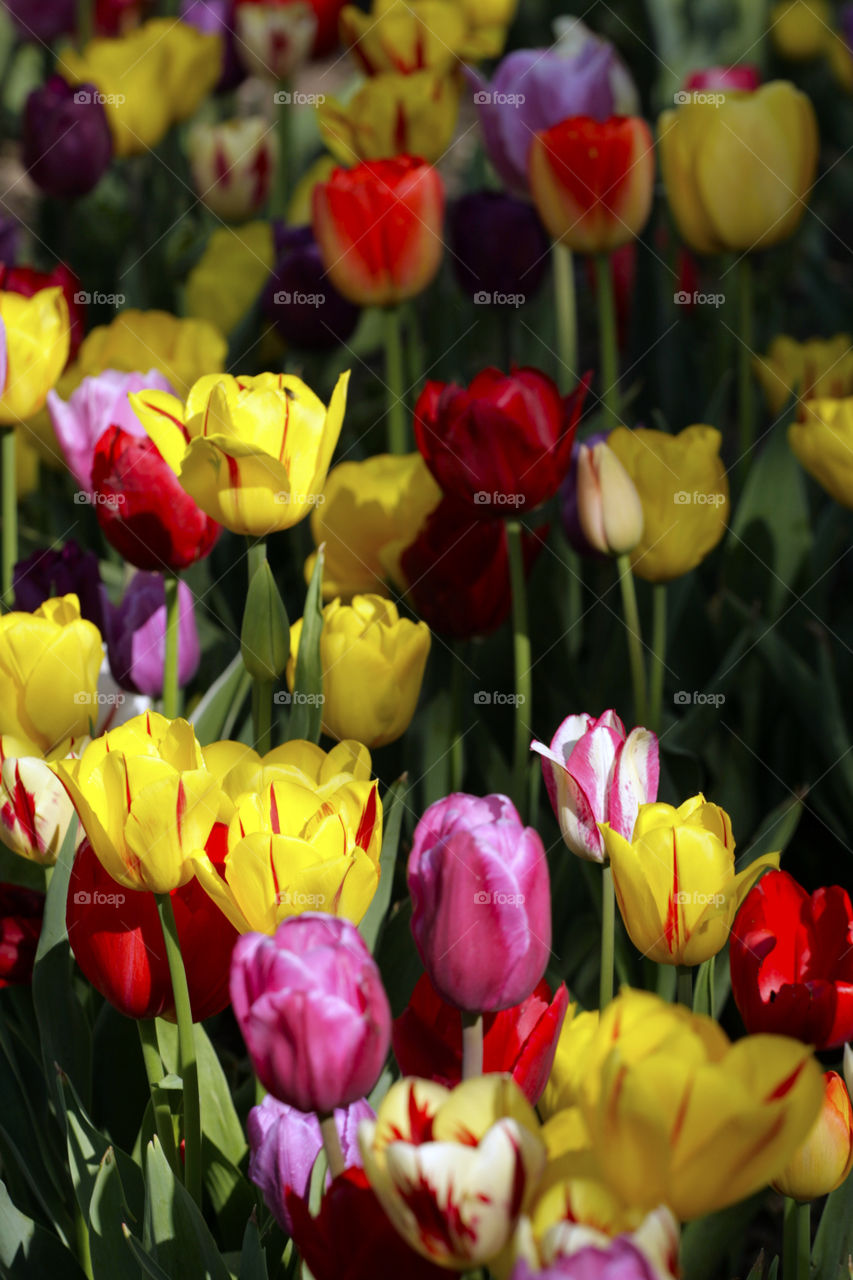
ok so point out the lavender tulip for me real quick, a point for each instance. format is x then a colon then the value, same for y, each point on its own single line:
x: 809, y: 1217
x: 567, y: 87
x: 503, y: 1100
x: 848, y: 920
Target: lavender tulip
x: 217, y: 17
x: 596, y: 772
x: 135, y: 632
x: 313, y: 1012
x: 324, y: 318
x: 48, y: 572
x: 498, y: 244
x: 481, y: 915
x: 66, y: 142
x: 620, y: 1260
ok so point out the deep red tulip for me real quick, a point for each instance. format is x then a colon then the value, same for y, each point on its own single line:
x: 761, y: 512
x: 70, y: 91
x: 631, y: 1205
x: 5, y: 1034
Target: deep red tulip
x: 144, y: 512
x: 503, y: 445
x: 21, y: 912
x: 117, y: 940
x: 792, y: 961
x: 427, y: 1038
x: 27, y: 281
x: 458, y: 571
x: 379, y: 229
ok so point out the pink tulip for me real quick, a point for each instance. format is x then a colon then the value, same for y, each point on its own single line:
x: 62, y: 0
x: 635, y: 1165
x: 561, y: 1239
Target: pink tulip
x: 313, y: 1012
x: 745, y: 77
x: 595, y: 772
x: 481, y: 899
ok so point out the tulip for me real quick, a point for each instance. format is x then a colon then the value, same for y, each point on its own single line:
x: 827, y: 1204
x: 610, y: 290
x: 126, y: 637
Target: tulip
x: 520, y: 1041
x: 569, y: 499
x: 326, y: 18
x: 743, y: 78
x: 49, y: 572
x: 456, y: 571
x: 135, y: 633
x: 405, y: 36
x: 141, y: 507
x: 35, y: 812
x: 284, y: 1145
x: 764, y: 142
x: 611, y: 514
x: 252, y: 452
x: 792, y: 969
x: 225, y: 284
x: 392, y: 113
x: 825, y: 1158
x: 454, y: 1169
x: 219, y: 17
x: 181, y: 350
x: 49, y: 662
x: 373, y: 665
x: 232, y: 165
x: 145, y: 800
x: 117, y: 941
x: 619, y: 1260
x: 675, y: 880
x: 312, y: 1009
x: 42, y: 22
x: 100, y: 401
x: 684, y: 490
x: 481, y: 902
x: 300, y: 300
x: 401, y: 202
x: 274, y: 40
x: 574, y: 37
x: 801, y: 29
x: 112, y: 17
x: 21, y: 912
x: 596, y: 773
x: 66, y: 140
x: 819, y: 369
x: 502, y: 445
x: 34, y: 340
x: 821, y: 444
x: 498, y: 246
x: 27, y: 282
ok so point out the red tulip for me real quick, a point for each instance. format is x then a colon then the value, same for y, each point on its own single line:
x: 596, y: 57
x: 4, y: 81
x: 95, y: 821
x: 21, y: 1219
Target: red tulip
x: 117, y: 940
x: 21, y: 912
x: 427, y: 1038
x: 27, y: 281
x: 791, y: 959
x: 744, y: 77
x: 458, y: 571
x: 501, y: 446
x: 379, y: 229
x: 144, y: 512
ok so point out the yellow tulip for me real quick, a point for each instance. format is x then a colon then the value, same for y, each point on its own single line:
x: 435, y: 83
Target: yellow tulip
x: 801, y: 29
x: 27, y: 459
x: 304, y: 834
x: 35, y: 811
x: 192, y: 63
x: 373, y: 665
x: 488, y: 21
x: 230, y: 274
x: 49, y: 663
x: 684, y: 490
x: 136, y: 341
x: 34, y: 333
x: 371, y: 511
x: 390, y: 114
x: 299, y: 211
x: 232, y: 165
x: 252, y: 452
x: 823, y: 445
x: 405, y: 35
x: 564, y: 1084
x: 826, y: 1157
x: 146, y: 801
x: 840, y: 60
x: 821, y: 368
x: 738, y: 173
x: 675, y: 880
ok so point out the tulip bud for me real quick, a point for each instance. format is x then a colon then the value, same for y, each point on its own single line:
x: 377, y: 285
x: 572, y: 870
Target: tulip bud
x: 35, y: 811
x: 801, y: 29
x: 273, y: 41
x: 66, y: 145
x: 265, y: 635
x: 826, y: 1157
x: 135, y: 633
x: 51, y: 572
x: 233, y: 165
x: 300, y: 299
x: 609, y: 507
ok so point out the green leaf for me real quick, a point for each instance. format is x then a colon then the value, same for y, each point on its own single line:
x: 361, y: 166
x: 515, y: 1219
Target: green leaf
x: 703, y: 992
x: 175, y: 1233
x: 709, y: 1242
x: 834, y: 1239
x: 233, y: 1197
x: 776, y: 831
x: 219, y: 1120
x: 222, y: 702
x: 107, y: 1213
x: 87, y: 1150
x: 28, y: 1250
x: 144, y: 1259
x: 306, y: 713
x: 253, y: 1262
x: 265, y: 634
x: 756, y: 1271
x: 374, y: 919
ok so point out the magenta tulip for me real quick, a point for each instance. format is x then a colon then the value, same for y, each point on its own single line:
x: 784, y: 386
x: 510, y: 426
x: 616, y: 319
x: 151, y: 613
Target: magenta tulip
x: 619, y: 1260
x: 313, y: 1012
x: 596, y: 772
x: 481, y: 898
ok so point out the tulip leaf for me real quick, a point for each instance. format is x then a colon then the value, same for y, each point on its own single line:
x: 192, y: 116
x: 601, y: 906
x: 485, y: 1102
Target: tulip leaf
x: 175, y: 1233
x: 107, y: 1212
x: 222, y: 702
x: 219, y: 1119
x: 306, y: 714
x: 703, y: 991
x: 27, y: 1249
x: 712, y: 1244
x: 834, y: 1239
x: 233, y: 1197
x: 392, y: 807
x: 87, y: 1150
x: 253, y: 1261
x: 265, y: 633
x: 775, y: 832
x: 149, y: 1266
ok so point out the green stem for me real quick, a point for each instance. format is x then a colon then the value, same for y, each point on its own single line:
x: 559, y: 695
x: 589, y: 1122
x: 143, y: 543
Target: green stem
x: 521, y: 652
x: 186, y: 1048
x: 608, y: 934
x: 332, y: 1145
x: 607, y: 340
x: 262, y: 690
x: 684, y: 985
x: 154, y: 1072
x: 567, y: 319
x: 635, y: 638
x: 796, y: 1246
x: 394, y: 380
x: 457, y: 694
x: 281, y: 177
x: 414, y: 346
x: 472, y: 1045
x: 658, y: 656
x: 84, y: 23
x: 10, y: 512
x: 746, y: 419
x: 81, y: 1235
x: 171, y: 687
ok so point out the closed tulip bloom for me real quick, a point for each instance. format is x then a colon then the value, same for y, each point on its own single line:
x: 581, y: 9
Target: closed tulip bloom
x: 405, y: 37
x: 28, y: 282
x: 326, y: 13
x: 52, y: 571
x: 822, y: 444
x: 498, y: 246
x: 743, y: 77
x: 453, y: 1169
x: 481, y: 902
x: 66, y: 141
x: 252, y: 452
x: 145, y: 800
x: 801, y: 29
x: 274, y: 40
x: 392, y: 113
x: 313, y: 1012
x: 611, y: 514
x: 738, y: 173
x: 300, y: 300
x: 232, y: 165
x: 826, y: 1157
x: 675, y: 880
x: 181, y: 350
x: 34, y: 339
x: 684, y: 490
x: 818, y: 369
x: 135, y: 633
x: 373, y: 666
x: 379, y: 228
x: 35, y: 812
x: 593, y: 182
x: 49, y: 663
x: 595, y: 772
x: 21, y: 914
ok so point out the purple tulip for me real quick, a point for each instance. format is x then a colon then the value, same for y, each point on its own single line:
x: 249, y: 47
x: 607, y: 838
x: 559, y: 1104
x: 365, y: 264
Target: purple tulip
x: 10, y: 239
x: 313, y: 1012
x: 66, y: 140
x: 285, y: 1144
x: 481, y: 902
x: 498, y: 244
x: 43, y: 20
x: 596, y: 772
x: 620, y: 1260
x: 299, y: 298
x: 135, y: 633
x: 99, y: 402
x: 569, y: 500
x: 216, y: 17
x: 48, y: 573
